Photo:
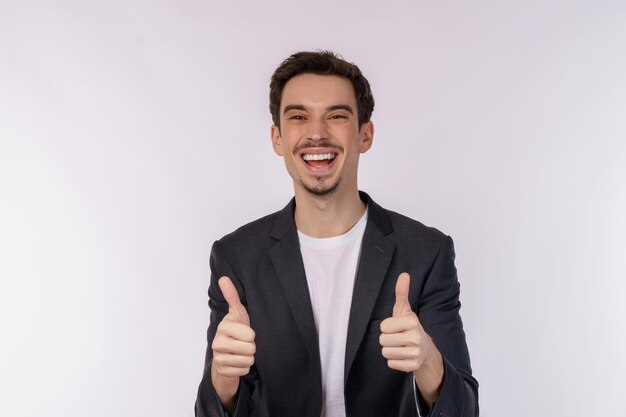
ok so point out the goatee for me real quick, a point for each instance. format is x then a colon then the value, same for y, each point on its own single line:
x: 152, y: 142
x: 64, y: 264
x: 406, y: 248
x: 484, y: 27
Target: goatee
x: 320, y: 190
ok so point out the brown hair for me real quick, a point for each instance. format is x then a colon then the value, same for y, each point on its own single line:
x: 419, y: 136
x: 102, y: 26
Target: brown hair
x: 321, y: 63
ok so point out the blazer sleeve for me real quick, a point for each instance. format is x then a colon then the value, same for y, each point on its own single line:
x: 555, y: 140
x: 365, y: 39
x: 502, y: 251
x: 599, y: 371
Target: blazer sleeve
x: 438, y: 312
x: 207, y: 402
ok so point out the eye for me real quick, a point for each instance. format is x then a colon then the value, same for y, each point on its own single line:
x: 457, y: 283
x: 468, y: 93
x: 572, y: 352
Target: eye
x: 296, y: 117
x: 338, y: 116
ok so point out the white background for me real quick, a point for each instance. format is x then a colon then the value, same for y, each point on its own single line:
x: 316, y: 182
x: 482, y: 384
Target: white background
x: 134, y: 133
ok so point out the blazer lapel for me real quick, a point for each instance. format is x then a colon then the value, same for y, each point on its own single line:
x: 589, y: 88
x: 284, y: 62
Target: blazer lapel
x: 376, y: 254
x: 287, y: 260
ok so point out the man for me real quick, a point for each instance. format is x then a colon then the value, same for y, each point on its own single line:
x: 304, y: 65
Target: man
x: 332, y: 306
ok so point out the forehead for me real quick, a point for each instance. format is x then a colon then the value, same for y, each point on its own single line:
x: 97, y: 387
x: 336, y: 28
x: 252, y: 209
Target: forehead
x: 318, y: 90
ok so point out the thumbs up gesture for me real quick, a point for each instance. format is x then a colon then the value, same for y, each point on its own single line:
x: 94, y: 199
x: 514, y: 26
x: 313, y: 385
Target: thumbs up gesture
x: 233, y: 346
x: 405, y: 344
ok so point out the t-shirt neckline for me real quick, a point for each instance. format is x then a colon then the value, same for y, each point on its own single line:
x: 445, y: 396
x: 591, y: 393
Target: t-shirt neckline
x: 335, y: 241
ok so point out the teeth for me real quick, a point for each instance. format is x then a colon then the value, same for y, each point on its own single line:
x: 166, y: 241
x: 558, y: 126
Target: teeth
x: 318, y: 157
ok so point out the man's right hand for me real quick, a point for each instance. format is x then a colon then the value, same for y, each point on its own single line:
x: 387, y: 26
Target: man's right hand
x: 233, y: 347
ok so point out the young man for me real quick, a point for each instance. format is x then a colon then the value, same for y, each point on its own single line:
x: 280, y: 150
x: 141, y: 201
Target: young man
x: 332, y: 306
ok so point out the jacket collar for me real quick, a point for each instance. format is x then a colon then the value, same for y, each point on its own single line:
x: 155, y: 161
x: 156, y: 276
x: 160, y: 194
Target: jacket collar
x: 376, y: 215
x: 376, y: 254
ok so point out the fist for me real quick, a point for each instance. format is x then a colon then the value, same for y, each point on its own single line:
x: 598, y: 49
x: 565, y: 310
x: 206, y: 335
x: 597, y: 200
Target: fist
x: 404, y: 342
x: 233, y: 345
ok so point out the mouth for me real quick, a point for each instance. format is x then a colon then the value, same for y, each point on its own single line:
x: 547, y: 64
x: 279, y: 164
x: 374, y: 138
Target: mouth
x: 318, y: 160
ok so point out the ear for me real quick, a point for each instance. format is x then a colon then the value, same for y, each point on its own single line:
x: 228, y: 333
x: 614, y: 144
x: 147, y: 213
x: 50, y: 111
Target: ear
x: 277, y: 141
x: 366, y: 136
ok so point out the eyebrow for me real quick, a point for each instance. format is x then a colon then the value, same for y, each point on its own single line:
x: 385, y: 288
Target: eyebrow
x: 330, y: 108
x: 293, y: 107
x: 341, y: 107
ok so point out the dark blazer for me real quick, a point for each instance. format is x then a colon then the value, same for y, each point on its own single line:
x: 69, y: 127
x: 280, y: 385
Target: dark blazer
x: 264, y: 262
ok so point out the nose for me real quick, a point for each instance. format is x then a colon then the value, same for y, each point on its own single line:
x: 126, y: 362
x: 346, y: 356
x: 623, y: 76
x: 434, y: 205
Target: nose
x: 317, y: 130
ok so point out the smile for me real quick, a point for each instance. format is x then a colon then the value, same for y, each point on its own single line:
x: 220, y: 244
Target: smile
x: 318, y: 157
x: 321, y: 162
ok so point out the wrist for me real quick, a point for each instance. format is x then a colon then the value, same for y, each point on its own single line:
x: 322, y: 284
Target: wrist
x: 429, y: 376
x: 226, y: 388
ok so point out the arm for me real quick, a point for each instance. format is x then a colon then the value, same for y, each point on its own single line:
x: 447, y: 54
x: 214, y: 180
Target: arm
x: 432, y: 347
x: 408, y: 348
x: 222, y: 388
x: 439, y: 316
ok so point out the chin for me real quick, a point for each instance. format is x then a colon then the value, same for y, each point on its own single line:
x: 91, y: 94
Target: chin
x: 321, y: 190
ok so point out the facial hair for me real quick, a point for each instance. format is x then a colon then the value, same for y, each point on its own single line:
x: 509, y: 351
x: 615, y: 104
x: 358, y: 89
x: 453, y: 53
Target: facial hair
x: 319, y: 189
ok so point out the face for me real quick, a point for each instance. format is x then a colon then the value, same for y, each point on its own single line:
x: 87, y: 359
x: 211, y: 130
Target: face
x: 319, y: 136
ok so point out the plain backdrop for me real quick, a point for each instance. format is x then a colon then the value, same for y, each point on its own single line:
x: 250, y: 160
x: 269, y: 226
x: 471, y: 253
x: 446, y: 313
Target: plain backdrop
x: 135, y: 133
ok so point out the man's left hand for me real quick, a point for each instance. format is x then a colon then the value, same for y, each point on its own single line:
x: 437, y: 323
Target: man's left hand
x: 407, y: 347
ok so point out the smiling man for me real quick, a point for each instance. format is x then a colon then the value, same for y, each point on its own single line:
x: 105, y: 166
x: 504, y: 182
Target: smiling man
x: 332, y: 306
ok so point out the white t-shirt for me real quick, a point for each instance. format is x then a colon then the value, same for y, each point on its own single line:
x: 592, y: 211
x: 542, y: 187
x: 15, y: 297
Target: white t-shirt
x: 330, y: 265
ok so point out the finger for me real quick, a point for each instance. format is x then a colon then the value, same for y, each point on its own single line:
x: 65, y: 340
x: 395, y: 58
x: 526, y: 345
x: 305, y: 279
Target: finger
x: 400, y: 324
x: 399, y: 340
x: 235, y: 361
x: 232, y: 298
x: 236, y: 330
x: 232, y: 346
x: 406, y: 352
x: 404, y: 365
x: 232, y: 371
x: 402, y: 294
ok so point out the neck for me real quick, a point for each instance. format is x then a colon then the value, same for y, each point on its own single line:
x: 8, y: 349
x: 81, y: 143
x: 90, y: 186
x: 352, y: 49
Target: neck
x: 327, y: 216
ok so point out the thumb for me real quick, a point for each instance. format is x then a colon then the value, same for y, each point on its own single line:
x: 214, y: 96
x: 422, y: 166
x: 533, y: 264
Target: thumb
x: 402, y: 295
x: 232, y: 298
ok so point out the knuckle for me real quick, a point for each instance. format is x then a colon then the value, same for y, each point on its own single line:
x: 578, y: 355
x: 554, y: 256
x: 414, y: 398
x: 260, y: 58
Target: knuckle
x: 415, y: 339
x: 384, y: 325
x: 224, y: 326
x: 247, y: 334
x: 220, y: 345
x: 220, y: 328
x: 228, y: 371
x: 415, y: 352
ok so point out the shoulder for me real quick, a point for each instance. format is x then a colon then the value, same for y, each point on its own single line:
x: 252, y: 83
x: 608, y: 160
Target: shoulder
x: 250, y: 234
x: 401, y: 228
x: 406, y: 227
x: 258, y: 235
x: 249, y: 246
x: 412, y: 239
x: 242, y: 249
